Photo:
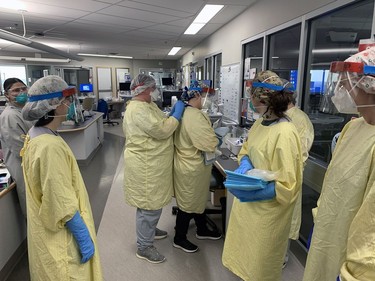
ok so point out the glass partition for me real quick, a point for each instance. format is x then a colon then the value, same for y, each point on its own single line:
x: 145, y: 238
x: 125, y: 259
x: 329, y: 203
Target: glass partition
x: 283, y: 53
x: 253, y: 62
x: 334, y: 36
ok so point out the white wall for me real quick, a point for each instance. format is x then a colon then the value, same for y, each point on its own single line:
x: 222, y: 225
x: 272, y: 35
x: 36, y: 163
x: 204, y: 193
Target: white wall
x: 260, y: 17
x: 95, y: 62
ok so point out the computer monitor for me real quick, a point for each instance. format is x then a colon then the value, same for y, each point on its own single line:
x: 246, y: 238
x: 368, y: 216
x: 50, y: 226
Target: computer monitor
x: 167, y: 81
x: 124, y: 86
x: 85, y: 88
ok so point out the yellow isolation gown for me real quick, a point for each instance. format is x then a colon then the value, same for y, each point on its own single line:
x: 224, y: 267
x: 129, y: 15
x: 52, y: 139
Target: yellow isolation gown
x: 257, y: 234
x: 191, y: 175
x: 55, y: 191
x: 148, y: 155
x: 344, y: 231
x: 305, y: 131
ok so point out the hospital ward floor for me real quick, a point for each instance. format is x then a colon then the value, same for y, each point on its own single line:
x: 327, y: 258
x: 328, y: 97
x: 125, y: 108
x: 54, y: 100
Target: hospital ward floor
x: 115, y: 224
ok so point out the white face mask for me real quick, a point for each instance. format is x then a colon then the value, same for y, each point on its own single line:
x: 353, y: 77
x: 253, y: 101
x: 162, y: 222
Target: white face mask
x: 344, y: 102
x: 155, y: 95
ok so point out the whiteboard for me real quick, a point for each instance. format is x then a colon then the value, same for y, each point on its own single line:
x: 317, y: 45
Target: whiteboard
x: 230, y: 90
x: 104, y: 79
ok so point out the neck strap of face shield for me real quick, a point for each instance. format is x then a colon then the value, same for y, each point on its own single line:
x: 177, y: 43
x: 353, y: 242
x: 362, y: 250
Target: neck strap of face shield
x: 64, y: 93
x: 357, y: 67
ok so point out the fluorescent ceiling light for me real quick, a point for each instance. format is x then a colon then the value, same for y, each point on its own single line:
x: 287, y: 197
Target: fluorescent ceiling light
x: 337, y: 50
x: 174, y: 51
x: 104, y: 56
x: 207, y: 13
x: 194, y: 28
x: 9, y: 36
x: 13, y: 5
x: 34, y: 59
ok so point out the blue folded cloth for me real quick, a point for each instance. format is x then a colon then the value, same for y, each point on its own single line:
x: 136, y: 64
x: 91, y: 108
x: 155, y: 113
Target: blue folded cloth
x: 249, y: 188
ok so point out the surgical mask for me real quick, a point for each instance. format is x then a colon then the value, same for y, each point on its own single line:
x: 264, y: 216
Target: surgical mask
x: 155, y: 95
x: 343, y: 101
x: 252, y: 107
x: 21, y: 98
x: 72, y: 113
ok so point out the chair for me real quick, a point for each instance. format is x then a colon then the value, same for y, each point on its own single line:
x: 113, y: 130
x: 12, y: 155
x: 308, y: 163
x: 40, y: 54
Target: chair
x: 103, y: 108
x: 216, y: 182
x: 87, y: 104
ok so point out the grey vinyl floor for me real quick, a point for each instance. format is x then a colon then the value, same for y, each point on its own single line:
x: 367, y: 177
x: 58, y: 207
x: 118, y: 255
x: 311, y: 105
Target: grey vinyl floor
x: 115, y: 224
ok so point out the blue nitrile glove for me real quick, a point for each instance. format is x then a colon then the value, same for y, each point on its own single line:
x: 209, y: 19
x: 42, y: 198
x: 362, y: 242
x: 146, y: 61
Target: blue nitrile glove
x: 266, y: 193
x: 82, y: 236
x: 179, y: 109
x: 245, y: 165
x: 172, y: 110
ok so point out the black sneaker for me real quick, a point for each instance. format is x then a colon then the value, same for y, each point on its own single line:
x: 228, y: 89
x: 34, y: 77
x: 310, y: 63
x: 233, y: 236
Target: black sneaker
x: 208, y: 235
x: 186, y: 246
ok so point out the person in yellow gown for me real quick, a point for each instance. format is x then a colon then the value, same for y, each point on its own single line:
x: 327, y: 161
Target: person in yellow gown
x: 257, y: 234
x: 344, y: 232
x: 305, y: 131
x: 148, y: 167
x: 60, y: 227
x: 192, y: 139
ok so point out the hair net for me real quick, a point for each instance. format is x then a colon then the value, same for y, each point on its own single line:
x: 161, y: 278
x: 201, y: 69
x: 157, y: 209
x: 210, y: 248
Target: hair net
x: 37, y: 109
x: 140, y: 83
x: 367, y: 83
x: 268, y: 77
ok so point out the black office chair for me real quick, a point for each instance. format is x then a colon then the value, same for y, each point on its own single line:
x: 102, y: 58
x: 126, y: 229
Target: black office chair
x: 103, y: 107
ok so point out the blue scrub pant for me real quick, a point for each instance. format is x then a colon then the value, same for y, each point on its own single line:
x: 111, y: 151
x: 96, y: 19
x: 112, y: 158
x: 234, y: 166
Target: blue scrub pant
x: 146, y: 221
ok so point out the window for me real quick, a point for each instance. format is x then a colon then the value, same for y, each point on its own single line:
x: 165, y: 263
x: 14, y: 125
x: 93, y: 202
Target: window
x: 334, y: 36
x: 217, y: 66
x: 208, y: 68
x: 283, y: 53
x: 253, y: 54
x: 212, y: 67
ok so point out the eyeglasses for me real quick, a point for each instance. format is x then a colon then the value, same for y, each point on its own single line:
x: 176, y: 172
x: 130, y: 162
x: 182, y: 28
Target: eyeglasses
x: 18, y: 90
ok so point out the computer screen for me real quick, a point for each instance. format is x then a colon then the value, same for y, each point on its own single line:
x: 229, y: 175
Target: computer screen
x: 124, y: 86
x: 85, y: 88
x: 167, y: 81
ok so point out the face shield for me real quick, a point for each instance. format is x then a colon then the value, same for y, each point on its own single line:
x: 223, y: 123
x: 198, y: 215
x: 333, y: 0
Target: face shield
x: 208, y: 99
x: 263, y: 91
x: 70, y: 94
x: 341, y: 86
x: 18, y: 94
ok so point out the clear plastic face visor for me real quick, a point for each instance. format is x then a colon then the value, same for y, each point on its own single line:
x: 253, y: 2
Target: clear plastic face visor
x: 69, y: 94
x: 208, y: 95
x: 341, y: 84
